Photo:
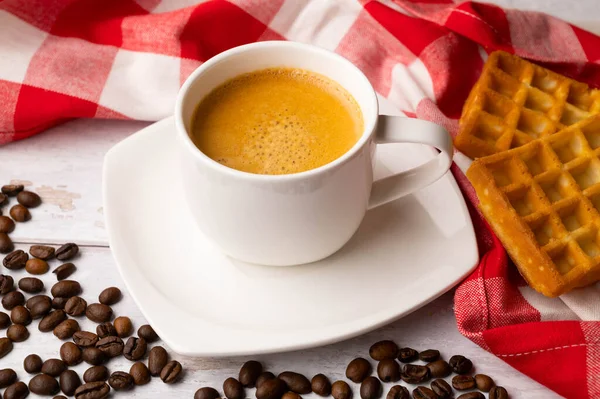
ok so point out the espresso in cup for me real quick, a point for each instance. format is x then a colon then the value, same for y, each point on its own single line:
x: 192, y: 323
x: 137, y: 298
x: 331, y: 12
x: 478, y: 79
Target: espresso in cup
x: 277, y: 121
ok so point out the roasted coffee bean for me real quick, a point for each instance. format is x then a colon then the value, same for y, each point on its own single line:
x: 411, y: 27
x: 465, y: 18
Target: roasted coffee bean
x: 157, y: 359
x: 442, y: 389
x: 59, y: 303
x: 13, y: 299
x: 12, y: 190
x: 70, y: 354
x: 3, y: 200
x: 4, y: 320
x: 135, y: 348
x: 93, y: 390
x: 460, y: 364
x: 483, y: 382
x: 105, y: 330
x: 370, y: 388
x: 7, y: 377
x: 472, y: 395
x: 407, y: 355
x: 413, y: 374
x: 341, y: 390
x: 67, y: 251
x: 66, y: 329
x: 53, y: 367
x: 69, y: 381
x: 383, y: 350
x: 43, y: 252
x: 5, y: 347
x: 36, y: 266
x: 249, y: 373
x: 6, y: 244
x: 358, y: 369
x: 273, y: 388
x: 423, y: 393
x: 320, y: 385
x: 96, y: 373
x: 120, y: 381
x: 264, y: 376
x: 51, y: 320
x: 207, y: 393
x: 429, y: 355
x: 398, y: 392
x: 66, y: 289
x: 98, y: 312
x: 94, y: 356
x: 19, y: 213
x: 20, y: 315
x: 141, y: 374
x: 109, y: 296
x: 17, y: 333
x: 147, y: 332
x: 39, y: 306
x: 112, y: 346
x: 31, y: 285
x: 439, y: 369
x: 171, y: 372
x: 495, y: 393
x: 43, y: 384
x: 18, y: 390
x: 15, y: 260
x: 33, y: 364
x: 85, y: 338
x: 29, y: 199
x: 463, y: 382
x: 123, y: 326
x: 296, y: 382
x: 234, y: 389
x: 7, y: 225
x: 7, y: 284
x: 388, y: 370
x: 75, y: 306
x: 63, y: 271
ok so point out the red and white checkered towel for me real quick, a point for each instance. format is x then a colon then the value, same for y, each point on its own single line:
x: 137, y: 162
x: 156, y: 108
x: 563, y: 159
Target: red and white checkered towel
x: 63, y: 59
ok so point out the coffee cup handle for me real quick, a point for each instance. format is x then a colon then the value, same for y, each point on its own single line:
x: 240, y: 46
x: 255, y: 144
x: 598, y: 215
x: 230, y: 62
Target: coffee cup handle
x: 397, y: 129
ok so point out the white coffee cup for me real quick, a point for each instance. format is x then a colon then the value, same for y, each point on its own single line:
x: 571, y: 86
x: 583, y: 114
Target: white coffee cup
x: 303, y: 217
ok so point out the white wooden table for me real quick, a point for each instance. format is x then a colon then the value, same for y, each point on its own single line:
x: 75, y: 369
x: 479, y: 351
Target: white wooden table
x: 64, y: 165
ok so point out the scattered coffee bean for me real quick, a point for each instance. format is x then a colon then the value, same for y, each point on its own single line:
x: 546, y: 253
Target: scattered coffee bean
x: 7, y: 377
x: 109, y: 296
x: 207, y: 393
x: 5, y: 347
x: 93, y: 390
x: 407, y: 355
x: 171, y: 372
x: 4, y: 321
x: 320, y: 385
x: 69, y: 381
x: 140, y: 373
x: 29, y: 199
x: 429, y: 355
x: 460, y: 364
x: 105, y: 330
x: 135, y: 348
x: 53, y: 367
x: 59, y: 302
x: 67, y: 251
x: 6, y: 225
x: 291, y: 395
x: 36, y: 266
x: 120, y: 381
x: 18, y: 390
x: 7, y: 284
x: 398, y: 392
x: 13, y: 299
x: 233, y: 389
x: 442, y: 389
x: 273, y: 388
x: 495, y: 393
x: 249, y: 373
x: 113, y: 346
x: 96, y: 373
x: 147, y: 332
x: 296, y: 382
x: 98, y: 312
x: 423, y: 393
x: 31, y: 285
x: 43, y: 252
x: 39, y: 306
x: 70, y: 354
x: 383, y: 350
x: 85, y: 339
x: 472, y: 395
x: 19, y: 213
x: 15, y: 260
x: 414, y: 374
x: 370, y: 388
x: 51, y: 320
x: 17, y: 333
x: 43, y: 384
x: 75, y: 306
x: 94, y: 356
x: 3, y: 199
x: 63, y: 271
x: 483, y: 382
x: 66, y: 289
x: 463, y: 382
x: 32, y: 364
x: 340, y: 390
x: 12, y: 190
x: 264, y: 376
x: 358, y: 369
x: 6, y: 244
x: 388, y: 370
x: 157, y: 359
x: 439, y: 369
x: 123, y: 326
x: 66, y: 329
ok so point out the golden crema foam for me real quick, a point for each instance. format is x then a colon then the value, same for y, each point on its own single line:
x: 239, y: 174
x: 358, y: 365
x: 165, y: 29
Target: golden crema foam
x: 277, y: 121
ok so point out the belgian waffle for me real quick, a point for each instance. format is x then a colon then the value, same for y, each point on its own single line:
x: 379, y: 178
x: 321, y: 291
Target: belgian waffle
x: 515, y: 102
x: 543, y: 201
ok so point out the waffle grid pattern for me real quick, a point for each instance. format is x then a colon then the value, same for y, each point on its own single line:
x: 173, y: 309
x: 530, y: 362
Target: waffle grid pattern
x: 516, y: 102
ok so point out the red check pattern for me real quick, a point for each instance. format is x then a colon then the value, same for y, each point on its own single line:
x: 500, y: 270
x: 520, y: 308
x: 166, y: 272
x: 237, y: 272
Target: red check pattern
x: 126, y: 59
